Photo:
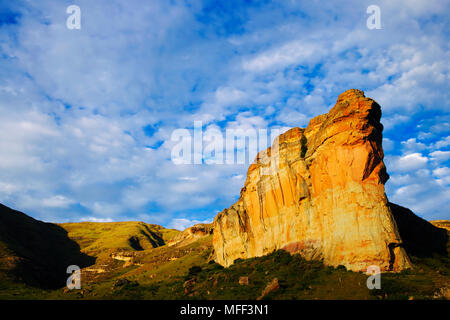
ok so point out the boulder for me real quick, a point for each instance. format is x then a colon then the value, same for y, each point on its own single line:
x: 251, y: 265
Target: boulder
x: 271, y: 287
x: 243, y: 281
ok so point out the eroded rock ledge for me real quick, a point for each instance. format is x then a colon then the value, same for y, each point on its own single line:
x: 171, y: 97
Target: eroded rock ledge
x: 325, y: 199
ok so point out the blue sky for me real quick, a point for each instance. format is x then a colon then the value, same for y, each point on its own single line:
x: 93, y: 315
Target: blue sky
x: 86, y: 115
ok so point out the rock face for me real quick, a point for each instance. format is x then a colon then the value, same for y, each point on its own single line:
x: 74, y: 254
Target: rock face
x: 320, y: 193
x: 191, y: 234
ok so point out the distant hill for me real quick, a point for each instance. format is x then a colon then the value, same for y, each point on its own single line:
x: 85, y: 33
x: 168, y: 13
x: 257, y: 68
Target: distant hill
x: 445, y: 224
x: 100, y: 238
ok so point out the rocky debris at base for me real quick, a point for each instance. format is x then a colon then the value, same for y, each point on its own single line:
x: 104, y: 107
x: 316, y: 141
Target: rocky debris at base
x: 271, y: 287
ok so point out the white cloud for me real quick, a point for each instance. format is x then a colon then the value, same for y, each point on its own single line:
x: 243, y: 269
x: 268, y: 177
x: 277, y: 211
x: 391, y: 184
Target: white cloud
x: 295, y: 52
x: 181, y: 224
x: 441, y: 172
x: 424, y: 135
x: 293, y: 118
x: 412, y: 145
x: 445, y: 142
x: 226, y: 96
x: 409, y: 162
x: 8, y: 188
x: 57, y: 201
x: 94, y: 219
x: 424, y: 194
x: 440, y: 156
x: 102, y: 208
x: 188, y: 178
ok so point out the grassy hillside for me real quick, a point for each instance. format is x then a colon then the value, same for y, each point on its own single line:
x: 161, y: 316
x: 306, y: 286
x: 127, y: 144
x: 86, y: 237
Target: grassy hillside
x: 96, y: 238
x: 154, y: 274
x: 301, y: 279
x: 194, y: 276
x: 37, y: 254
x: 445, y: 224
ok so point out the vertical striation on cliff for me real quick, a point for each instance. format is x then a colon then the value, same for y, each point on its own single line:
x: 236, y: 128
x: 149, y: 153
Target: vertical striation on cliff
x: 319, y: 192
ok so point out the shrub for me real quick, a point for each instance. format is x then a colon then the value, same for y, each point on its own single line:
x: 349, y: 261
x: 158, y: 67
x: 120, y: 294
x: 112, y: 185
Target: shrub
x: 193, y: 271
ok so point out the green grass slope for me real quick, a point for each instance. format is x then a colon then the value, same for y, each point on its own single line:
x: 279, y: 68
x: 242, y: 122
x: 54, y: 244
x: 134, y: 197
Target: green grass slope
x: 301, y: 279
x: 97, y: 238
x: 193, y: 276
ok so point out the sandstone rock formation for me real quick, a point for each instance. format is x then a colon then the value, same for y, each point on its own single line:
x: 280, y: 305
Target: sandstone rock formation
x: 320, y: 193
x: 191, y: 234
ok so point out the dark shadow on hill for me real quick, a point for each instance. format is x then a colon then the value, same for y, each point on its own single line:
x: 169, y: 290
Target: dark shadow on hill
x: 135, y: 243
x: 37, y: 253
x: 420, y: 238
x: 155, y: 239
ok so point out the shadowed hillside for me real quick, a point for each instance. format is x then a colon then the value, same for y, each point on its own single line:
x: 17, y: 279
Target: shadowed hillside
x: 420, y: 237
x: 35, y: 252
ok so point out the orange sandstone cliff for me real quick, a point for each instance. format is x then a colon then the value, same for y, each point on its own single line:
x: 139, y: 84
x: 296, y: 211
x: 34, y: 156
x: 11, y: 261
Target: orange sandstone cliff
x: 320, y: 193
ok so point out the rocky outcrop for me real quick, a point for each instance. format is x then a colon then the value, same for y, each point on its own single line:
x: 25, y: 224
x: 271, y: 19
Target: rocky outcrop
x: 123, y: 256
x: 271, y: 287
x: 444, y: 224
x: 191, y: 234
x: 319, y: 192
